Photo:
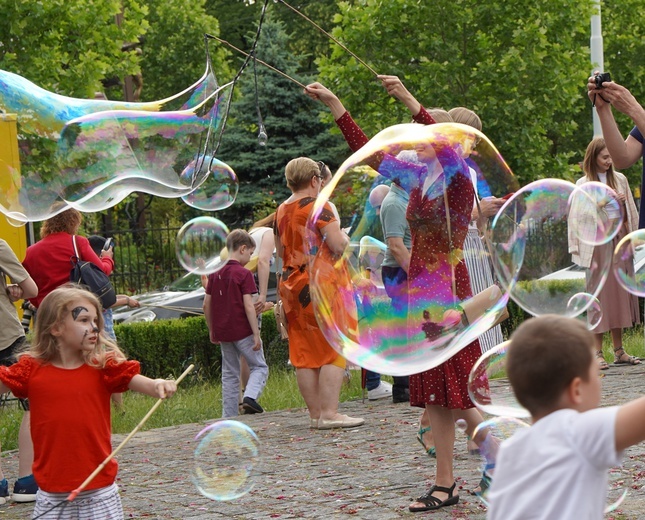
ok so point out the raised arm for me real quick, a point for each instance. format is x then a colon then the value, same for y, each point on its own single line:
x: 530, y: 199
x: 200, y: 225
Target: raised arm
x: 624, y: 152
x: 352, y: 133
x: 396, y: 88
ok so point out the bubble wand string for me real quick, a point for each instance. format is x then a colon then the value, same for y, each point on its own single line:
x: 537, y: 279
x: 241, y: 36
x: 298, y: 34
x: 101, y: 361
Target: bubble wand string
x: 256, y: 59
x: 89, y: 479
x: 330, y: 37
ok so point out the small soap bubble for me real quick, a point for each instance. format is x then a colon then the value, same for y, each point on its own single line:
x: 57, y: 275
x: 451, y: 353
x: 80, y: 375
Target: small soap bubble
x: 620, y: 482
x: 629, y: 262
x: 489, y: 435
x: 199, y: 243
x: 586, y: 308
x: 461, y: 425
x: 216, y: 184
x: 595, y: 215
x: 488, y: 384
x: 225, y: 461
x: 262, y: 136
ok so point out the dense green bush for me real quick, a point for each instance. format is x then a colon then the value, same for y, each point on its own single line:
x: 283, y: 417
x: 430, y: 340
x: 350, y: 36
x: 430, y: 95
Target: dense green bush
x: 166, y: 347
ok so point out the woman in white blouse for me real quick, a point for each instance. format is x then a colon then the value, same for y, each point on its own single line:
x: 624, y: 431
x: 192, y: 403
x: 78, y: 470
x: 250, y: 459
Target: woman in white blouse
x: 619, y: 308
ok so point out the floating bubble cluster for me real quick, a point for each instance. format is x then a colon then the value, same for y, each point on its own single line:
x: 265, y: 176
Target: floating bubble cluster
x: 410, y: 328
x: 226, y: 459
x: 199, y: 244
x: 90, y: 154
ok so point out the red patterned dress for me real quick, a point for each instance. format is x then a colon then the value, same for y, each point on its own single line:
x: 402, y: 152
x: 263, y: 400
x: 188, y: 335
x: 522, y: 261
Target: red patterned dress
x: 447, y: 384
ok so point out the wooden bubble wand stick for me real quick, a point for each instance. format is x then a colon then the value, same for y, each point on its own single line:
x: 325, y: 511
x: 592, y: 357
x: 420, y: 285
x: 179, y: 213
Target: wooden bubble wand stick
x: 89, y: 479
x: 256, y: 59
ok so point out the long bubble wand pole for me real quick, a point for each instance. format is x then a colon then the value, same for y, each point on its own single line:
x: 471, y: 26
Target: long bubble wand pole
x: 329, y: 36
x: 89, y: 479
x: 256, y: 59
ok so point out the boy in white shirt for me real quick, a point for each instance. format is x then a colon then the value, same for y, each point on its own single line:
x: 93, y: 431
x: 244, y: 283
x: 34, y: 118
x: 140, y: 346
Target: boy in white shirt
x: 558, y: 468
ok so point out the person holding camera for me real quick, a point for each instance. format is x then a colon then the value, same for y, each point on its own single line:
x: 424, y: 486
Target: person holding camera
x: 624, y: 153
x: 12, y: 339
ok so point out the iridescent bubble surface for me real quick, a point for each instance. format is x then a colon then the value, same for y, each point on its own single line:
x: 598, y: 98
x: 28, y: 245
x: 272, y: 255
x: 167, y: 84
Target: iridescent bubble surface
x: 586, y: 308
x: 489, y: 435
x: 91, y: 153
x: 415, y: 326
x: 488, y: 385
x: 535, y: 257
x: 225, y: 460
x: 629, y: 262
x: 199, y: 244
x: 596, y: 215
x: 219, y: 188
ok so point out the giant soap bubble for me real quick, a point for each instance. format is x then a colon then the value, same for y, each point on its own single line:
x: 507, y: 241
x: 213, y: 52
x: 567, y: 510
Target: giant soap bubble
x: 409, y: 328
x: 90, y: 154
x: 538, y: 255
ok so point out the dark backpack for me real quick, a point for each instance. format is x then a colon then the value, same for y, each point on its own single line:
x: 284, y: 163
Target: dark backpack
x: 91, y: 275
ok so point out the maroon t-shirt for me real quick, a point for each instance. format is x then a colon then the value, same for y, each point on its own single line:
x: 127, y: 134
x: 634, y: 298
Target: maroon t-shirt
x: 227, y: 288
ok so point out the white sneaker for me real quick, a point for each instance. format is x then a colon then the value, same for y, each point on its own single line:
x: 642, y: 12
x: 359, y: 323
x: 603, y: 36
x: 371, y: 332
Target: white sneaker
x: 382, y: 391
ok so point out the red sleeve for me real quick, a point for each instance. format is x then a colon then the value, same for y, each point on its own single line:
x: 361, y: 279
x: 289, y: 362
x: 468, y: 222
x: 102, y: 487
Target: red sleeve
x: 16, y: 376
x: 117, y: 376
x: 352, y: 133
x: 87, y: 253
x: 423, y: 117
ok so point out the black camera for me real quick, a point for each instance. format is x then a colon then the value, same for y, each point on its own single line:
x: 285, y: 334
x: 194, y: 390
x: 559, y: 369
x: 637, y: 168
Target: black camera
x: 601, y: 78
x: 109, y: 242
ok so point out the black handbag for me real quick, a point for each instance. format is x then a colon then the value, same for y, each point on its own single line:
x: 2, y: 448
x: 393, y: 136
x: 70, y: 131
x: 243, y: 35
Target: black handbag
x: 93, y: 278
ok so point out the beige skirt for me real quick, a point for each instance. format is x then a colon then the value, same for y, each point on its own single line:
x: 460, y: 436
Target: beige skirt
x: 619, y: 307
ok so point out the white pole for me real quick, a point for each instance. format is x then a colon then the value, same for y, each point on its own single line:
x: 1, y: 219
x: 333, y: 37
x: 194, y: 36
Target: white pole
x: 597, y: 58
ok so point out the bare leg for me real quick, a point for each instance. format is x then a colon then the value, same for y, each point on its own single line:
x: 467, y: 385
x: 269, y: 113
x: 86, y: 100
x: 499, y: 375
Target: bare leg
x: 25, y: 447
x: 308, y: 383
x: 329, y: 384
x: 427, y: 437
x: 444, y: 429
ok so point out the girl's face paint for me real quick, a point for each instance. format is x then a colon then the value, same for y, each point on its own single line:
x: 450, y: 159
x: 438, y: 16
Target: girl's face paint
x: 80, y: 331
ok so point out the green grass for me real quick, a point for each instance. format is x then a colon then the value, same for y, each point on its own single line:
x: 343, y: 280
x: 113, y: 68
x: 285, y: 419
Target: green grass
x: 194, y: 401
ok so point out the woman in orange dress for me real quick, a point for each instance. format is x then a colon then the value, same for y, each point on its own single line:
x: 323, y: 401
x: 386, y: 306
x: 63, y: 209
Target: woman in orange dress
x: 319, y: 368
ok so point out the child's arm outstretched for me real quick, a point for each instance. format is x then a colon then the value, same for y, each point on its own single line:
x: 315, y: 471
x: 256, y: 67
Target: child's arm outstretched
x: 630, y: 427
x: 160, y: 388
x: 251, y: 316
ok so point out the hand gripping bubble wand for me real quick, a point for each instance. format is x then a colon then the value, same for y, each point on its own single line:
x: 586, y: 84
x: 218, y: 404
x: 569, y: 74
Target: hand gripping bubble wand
x: 89, y: 479
x: 329, y: 36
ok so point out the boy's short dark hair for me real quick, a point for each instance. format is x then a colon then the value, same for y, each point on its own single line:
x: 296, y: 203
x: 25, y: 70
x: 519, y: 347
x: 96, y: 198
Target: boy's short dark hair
x: 545, y: 355
x: 238, y: 238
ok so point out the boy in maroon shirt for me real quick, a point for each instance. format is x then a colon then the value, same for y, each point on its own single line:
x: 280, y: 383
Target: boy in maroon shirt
x: 232, y: 322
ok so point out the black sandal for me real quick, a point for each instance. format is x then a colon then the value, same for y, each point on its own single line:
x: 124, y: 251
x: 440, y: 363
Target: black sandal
x: 431, y: 502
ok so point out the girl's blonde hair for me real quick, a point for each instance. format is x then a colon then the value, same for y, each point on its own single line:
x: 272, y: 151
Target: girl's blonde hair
x: 589, y: 164
x: 440, y: 115
x: 53, y: 310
